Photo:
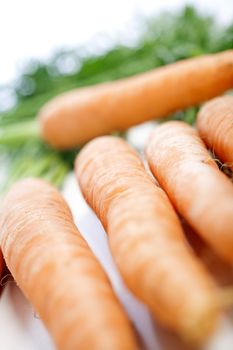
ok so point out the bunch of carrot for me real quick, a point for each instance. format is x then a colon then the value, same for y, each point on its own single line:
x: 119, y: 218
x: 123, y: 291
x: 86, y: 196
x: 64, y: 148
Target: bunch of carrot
x: 53, y: 264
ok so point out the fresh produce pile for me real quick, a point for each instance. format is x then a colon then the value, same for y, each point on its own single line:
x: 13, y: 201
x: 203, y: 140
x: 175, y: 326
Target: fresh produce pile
x: 163, y: 40
x: 144, y: 213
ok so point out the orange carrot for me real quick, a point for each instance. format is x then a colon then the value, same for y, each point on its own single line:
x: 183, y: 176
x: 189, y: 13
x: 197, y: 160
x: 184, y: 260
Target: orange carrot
x: 75, y: 117
x: 221, y: 270
x: 215, y: 125
x: 201, y: 193
x: 58, y: 273
x: 146, y: 238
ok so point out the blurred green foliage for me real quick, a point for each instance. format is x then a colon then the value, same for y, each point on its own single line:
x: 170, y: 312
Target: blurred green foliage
x: 164, y: 39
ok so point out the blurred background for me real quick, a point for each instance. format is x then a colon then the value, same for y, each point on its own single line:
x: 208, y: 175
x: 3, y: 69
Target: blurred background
x: 48, y: 47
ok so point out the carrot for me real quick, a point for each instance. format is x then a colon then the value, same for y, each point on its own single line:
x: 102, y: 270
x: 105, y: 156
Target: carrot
x: 146, y: 238
x: 221, y: 270
x: 201, y: 193
x: 75, y: 117
x: 215, y: 125
x: 58, y: 273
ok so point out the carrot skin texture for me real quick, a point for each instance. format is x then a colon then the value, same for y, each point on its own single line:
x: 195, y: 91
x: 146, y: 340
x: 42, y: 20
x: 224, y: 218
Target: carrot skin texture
x: 58, y: 273
x: 146, y: 238
x: 215, y: 126
x: 76, y: 117
x: 199, y: 191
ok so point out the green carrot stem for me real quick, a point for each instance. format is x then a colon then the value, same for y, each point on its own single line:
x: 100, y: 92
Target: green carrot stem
x: 15, y: 134
x: 57, y: 175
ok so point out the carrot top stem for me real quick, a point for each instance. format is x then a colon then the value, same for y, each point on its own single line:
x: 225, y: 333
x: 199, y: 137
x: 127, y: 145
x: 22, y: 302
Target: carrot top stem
x: 49, y: 166
x: 18, y: 133
x: 57, y: 175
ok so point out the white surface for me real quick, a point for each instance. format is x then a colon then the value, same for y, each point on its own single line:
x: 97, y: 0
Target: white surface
x: 20, y: 328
